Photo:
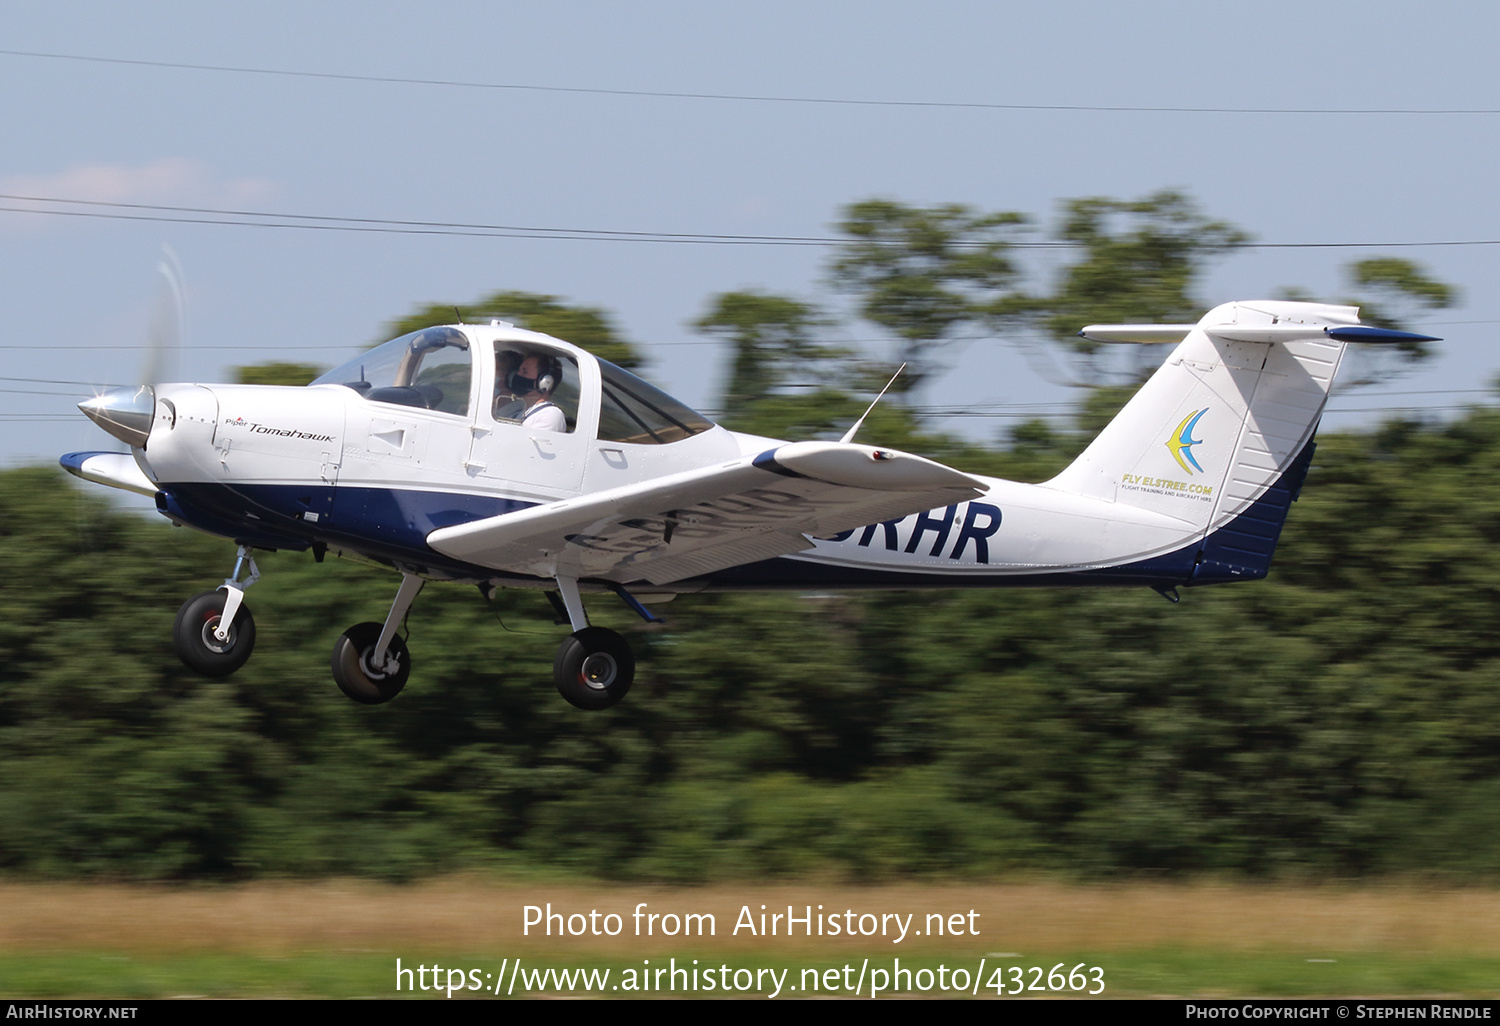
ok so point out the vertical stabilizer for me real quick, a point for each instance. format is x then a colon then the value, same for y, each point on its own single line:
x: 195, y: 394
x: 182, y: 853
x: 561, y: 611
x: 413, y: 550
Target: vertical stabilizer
x: 1221, y: 435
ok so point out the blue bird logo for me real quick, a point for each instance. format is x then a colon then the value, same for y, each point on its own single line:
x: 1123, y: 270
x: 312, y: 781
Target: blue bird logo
x: 1182, y: 441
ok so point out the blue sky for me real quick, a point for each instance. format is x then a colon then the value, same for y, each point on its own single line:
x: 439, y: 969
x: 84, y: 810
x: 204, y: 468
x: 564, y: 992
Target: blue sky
x: 165, y: 136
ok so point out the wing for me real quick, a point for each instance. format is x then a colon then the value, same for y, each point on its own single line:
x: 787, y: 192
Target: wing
x: 698, y: 521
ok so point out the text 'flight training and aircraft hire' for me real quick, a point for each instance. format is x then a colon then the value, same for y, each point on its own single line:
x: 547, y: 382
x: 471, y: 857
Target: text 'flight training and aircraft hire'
x: 506, y: 458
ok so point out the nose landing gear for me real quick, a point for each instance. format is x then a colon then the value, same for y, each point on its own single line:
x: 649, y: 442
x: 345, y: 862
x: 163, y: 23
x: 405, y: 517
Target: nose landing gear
x: 195, y: 635
x: 215, y: 633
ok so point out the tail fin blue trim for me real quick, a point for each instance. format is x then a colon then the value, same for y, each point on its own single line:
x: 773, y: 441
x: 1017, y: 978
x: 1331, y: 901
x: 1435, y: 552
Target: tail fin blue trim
x: 1369, y: 333
x: 1241, y: 550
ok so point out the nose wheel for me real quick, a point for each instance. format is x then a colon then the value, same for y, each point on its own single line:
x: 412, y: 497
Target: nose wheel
x: 594, y: 668
x: 215, y: 633
x: 195, y: 635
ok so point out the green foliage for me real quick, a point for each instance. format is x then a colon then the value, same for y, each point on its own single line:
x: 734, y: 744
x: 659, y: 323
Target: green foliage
x: 1140, y: 261
x: 775, y: 345
x: 587, y: 327
x: 989, y: 729
x: 1038, y: 450
x: 1402, y: 290
x: 1335, y: 719
x: 1398, y: 281
x: 921, y: 272
x: 1397, y: 292
x: 277, y: 373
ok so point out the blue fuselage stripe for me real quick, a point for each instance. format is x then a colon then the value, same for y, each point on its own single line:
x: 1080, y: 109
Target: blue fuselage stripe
x: 388, y: 524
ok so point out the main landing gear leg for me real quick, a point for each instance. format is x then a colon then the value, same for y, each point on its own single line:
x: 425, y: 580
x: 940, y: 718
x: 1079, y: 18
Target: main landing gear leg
x: 370, y: 663
x: 594, y: 666
x: 215, y: 633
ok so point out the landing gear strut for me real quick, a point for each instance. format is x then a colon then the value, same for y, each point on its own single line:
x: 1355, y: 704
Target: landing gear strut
x: 594, y: 666
x: 370, y: 662
x: 215, y: 633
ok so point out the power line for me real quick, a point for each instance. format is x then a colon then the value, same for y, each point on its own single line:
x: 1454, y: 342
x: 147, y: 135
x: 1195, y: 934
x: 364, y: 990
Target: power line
x: 50, y: 381
x: 746, y: 97
x: 128, y: 347
x: 392, y: 222
x: 307, y: 222
x: 34, y: 391
x: 390, y: 226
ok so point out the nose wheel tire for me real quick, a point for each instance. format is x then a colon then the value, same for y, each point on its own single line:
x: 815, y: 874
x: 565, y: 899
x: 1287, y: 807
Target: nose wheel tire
x: 594, y: 668
x: 194, y: 640
x: 357, y: 675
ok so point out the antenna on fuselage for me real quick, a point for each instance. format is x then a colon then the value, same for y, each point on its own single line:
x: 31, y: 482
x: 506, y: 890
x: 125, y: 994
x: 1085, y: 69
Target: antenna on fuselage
x: 849, y: 435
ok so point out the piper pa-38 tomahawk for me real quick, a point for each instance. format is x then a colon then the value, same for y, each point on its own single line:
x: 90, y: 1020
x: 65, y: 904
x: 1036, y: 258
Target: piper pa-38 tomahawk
x: 505, y: 458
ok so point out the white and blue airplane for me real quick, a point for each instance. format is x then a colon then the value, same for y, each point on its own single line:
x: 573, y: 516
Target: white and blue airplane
x: 506, y: 458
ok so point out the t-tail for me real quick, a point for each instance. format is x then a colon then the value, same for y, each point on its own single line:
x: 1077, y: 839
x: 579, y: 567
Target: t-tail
x: 1222, y: 434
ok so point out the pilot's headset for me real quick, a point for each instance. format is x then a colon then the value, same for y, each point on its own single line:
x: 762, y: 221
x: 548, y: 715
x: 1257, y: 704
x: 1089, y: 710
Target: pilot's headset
x: 548, y: 376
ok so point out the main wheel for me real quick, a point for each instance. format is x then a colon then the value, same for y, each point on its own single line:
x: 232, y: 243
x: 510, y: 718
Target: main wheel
x: 594, y: 668
x: 354, y: 673
x: 193, y: 635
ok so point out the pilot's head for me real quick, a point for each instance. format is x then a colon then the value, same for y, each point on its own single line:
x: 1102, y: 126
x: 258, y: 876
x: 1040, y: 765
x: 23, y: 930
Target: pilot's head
x: 539, y: 375
x: 506, y: 362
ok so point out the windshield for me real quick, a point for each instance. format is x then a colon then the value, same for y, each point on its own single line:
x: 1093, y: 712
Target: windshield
x: 429, y: 369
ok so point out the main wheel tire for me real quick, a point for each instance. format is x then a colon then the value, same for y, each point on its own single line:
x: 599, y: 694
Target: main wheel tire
x: 193, y: 635
x: 594, y: 668
x: 353, y: 672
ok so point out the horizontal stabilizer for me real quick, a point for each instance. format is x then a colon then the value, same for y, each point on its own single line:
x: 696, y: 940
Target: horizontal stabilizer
x: 1265, y: 333
x: 1136, y: 333
x: 116, y: 469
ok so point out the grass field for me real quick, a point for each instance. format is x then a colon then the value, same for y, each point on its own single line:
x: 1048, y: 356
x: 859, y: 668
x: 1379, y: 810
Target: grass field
x: 342, y: 939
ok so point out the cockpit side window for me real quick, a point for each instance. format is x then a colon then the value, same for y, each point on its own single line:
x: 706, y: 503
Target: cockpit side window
x: 515, y: 393
x: 632, y: 410
x: 429, y: 369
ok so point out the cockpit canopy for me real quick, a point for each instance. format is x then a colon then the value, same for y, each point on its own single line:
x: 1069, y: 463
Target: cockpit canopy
x: 433, y: 369
x: 429, y: 369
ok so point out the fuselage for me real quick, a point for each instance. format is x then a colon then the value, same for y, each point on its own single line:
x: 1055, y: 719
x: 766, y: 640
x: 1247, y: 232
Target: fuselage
x: 416, y: 436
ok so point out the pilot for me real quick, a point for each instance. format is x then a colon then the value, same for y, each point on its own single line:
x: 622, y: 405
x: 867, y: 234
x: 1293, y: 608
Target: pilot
x: 535, y: 381
x: 508, y: 405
